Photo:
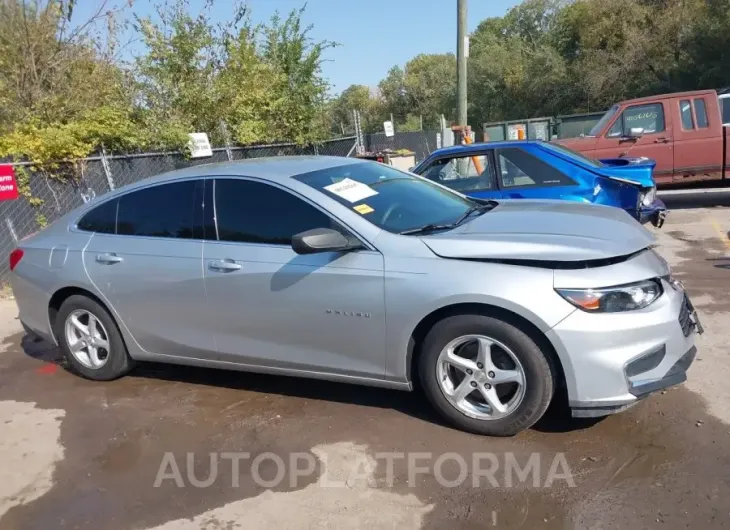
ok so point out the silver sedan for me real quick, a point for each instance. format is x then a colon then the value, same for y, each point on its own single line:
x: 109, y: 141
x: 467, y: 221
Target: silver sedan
x: 353, y: 271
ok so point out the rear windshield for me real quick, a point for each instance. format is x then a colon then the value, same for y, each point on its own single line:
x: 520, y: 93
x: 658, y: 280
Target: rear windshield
x: 575, y: 154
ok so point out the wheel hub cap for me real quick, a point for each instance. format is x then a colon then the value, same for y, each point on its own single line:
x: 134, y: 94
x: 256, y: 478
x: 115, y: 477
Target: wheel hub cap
x: 481, y: 377
x: 87, y: 339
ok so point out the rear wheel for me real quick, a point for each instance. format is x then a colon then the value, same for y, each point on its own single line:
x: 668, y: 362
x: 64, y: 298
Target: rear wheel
x: 485, y: 375
x: 90, y: 340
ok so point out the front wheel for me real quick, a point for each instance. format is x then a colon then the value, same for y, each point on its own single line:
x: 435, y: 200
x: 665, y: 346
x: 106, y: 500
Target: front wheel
x: 485, y: 375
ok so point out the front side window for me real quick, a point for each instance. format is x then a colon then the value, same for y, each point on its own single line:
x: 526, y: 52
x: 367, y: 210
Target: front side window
x: 390, y: 199
x: 461, y: 173
x: 648, y: 117
x: 518, y: 168
x: 167, y: 210
x: 254, y: 212
x: 685, y: 110
x: 102, y: 219
x: 701, y: 113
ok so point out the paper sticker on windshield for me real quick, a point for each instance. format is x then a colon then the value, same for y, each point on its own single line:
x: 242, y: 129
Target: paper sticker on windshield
x: 351, y: 190
x: 363, y: 209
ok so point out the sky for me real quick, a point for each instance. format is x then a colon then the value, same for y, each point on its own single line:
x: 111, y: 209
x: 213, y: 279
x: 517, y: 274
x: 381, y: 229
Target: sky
x: 373, y: 35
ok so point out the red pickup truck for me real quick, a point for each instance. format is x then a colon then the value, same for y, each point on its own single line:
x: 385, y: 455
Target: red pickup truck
x: 682, y: 132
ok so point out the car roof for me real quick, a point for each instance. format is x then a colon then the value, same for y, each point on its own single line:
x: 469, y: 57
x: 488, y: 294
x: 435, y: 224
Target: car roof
x: 275, y: 168
x: 468, y: 148
x: 659, y: 97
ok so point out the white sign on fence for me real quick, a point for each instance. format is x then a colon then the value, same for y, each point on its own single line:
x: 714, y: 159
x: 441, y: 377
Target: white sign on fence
x: 199, y: 145
x: 388, y: 126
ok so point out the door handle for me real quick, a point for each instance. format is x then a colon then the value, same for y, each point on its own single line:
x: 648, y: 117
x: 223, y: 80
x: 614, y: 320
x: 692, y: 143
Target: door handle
x: 109, y: 258
x: 226, y: 265
x: 663, y: 140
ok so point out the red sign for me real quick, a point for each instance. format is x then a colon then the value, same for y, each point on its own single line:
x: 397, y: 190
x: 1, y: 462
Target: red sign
x: 8, y: 186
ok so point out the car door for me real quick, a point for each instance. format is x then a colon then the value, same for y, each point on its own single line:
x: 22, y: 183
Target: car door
x: 272, y: 307
x: 656, y: 142
x: 698, y: 147
x: 471, y: 174
x: 523, y: 175
x: 148, y: 266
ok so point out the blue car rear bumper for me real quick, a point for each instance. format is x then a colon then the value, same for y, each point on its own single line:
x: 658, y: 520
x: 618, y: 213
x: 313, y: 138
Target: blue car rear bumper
x: 655, y: 213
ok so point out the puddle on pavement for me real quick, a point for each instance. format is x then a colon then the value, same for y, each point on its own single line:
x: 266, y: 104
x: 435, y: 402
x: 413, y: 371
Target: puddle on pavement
x: 666, y: 456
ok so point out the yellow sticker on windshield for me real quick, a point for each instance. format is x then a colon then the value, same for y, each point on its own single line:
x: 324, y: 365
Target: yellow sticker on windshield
x: 363, y: 209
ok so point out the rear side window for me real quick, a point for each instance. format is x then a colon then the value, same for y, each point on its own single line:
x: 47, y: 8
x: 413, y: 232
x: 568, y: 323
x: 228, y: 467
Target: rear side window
x: 518, y: 168
x: 167, y: 210
x: 701, y: 113
x: 102, y: 219
x: 254, y: 212
x: 685, y: 109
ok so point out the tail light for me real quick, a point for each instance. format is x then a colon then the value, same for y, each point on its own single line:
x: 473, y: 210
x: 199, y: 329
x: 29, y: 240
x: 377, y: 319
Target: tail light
x: 15, y: 257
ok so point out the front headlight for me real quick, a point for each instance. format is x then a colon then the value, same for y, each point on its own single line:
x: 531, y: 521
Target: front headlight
x: 648, y: 197
x: 614, y: 299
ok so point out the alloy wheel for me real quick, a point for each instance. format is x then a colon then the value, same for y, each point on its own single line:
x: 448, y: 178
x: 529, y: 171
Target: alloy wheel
x: 87, y: 339
x: 481, y: 377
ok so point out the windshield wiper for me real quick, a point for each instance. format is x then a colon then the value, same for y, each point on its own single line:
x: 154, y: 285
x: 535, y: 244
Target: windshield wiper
x: 426, y: 228
x: 480, y: 207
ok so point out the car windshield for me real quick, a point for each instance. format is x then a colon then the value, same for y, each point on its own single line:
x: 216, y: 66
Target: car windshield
x: 598, y: 127
x: 575, y: 154
x: 390, y: 199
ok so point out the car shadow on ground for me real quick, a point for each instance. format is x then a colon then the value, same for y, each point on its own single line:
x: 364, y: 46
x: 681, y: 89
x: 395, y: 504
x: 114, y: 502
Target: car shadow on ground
x: 557, y: 419
x: 724, y: 263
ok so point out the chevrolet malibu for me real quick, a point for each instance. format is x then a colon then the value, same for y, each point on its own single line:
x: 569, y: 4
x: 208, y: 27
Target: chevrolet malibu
x: 347, y: 270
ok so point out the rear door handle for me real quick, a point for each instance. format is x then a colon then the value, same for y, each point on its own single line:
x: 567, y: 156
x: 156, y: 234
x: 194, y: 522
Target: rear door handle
x: 226, y: 265
x: 108, y: 258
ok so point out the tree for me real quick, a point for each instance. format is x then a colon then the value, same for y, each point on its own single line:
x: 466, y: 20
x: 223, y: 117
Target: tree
x: 300, y: 90
x: 361, y: 99
x: 430, y: 87
x: 63, y: 93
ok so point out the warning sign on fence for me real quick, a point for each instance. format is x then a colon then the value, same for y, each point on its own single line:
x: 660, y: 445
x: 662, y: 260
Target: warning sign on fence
x: 8, y: 186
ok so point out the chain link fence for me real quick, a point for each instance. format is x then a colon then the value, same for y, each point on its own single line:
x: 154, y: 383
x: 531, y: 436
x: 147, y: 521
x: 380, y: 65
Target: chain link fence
x: 96, y: 175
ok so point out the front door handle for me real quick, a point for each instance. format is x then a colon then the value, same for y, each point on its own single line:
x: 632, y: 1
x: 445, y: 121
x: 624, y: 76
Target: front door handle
x: 662, y: 140
x: 108, y: 258
x: 226, y: 265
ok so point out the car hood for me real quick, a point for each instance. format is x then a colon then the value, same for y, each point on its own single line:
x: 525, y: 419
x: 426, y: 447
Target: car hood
x: 544, y: 230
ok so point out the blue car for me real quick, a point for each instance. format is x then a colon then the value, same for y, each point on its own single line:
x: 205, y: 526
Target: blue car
x: 530, y: 169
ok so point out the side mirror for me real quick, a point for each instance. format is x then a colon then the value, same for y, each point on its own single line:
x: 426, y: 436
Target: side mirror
x: 636, y: 132
x: 321, y: 240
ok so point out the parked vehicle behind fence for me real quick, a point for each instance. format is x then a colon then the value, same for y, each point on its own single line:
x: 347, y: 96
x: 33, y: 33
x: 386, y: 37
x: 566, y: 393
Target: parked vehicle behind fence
x: 682, y: 132
x: 526, y: 169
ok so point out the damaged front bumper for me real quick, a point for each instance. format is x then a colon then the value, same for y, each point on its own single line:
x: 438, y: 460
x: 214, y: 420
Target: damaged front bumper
x: 614, y: 360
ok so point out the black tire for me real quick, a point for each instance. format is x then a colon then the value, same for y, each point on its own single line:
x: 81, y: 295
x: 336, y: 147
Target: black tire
x: 539, y: 376
x: 118, y: 362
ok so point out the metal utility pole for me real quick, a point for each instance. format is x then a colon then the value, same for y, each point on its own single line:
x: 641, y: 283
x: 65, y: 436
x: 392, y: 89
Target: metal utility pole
x: 462, y: 52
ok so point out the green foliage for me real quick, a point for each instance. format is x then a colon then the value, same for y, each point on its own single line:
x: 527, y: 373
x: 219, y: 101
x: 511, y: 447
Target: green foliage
x: 549, y: 57
x: 411, y: 123
x: 64, y: 93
